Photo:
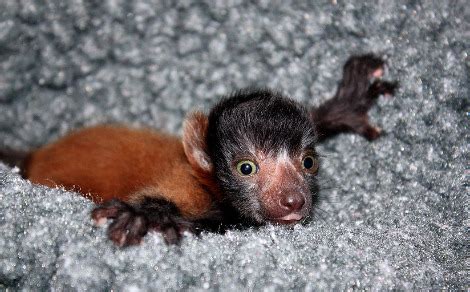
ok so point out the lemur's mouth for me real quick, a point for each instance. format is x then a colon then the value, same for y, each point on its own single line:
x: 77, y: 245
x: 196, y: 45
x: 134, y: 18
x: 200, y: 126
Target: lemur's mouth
x: 292, y: 218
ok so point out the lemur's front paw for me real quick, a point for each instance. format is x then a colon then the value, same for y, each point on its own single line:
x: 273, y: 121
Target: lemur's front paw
x: 128, y: 227
x: 131, y: 223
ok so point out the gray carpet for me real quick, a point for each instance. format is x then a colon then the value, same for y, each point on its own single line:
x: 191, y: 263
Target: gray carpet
x: 394, y: 213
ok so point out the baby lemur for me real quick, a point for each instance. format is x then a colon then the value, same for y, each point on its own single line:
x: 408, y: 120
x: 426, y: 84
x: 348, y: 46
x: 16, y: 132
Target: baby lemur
x: 252, y: 160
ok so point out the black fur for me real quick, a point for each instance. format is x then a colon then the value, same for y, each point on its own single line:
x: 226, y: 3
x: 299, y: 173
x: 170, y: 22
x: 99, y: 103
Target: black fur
x: 356, y: 94
x: 13, y: 157
x: 260, y: 119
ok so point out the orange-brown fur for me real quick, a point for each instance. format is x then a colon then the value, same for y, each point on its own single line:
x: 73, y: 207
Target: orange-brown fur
x: 114, y: 162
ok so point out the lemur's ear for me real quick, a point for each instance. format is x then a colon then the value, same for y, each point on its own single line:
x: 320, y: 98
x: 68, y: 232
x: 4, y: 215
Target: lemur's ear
x: 194, y: 141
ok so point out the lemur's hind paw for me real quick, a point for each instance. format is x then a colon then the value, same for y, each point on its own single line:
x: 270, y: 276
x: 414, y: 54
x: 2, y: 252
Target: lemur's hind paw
x: 357, y: 92
x: 362, y: 82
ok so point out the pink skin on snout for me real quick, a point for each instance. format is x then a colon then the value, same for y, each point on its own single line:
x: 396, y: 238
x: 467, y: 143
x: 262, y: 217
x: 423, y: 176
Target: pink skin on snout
x: 283, y: 192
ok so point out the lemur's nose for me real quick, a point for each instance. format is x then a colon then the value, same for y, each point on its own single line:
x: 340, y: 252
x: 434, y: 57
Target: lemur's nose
x: 292, y: 202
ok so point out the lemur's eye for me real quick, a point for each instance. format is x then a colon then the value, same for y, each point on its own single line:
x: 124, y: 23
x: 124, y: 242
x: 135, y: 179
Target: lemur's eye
x: 246, y: 167
x: 310, y: 163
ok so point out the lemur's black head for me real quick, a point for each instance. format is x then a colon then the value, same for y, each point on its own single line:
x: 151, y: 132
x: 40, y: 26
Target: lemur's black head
x: 260, y: 146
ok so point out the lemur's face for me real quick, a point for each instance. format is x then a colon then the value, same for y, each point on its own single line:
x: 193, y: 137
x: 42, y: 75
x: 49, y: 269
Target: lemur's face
x: 275, y: 186
x: 263, y: 152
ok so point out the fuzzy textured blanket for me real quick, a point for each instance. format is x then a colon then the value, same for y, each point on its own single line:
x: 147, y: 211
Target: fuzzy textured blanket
x: 394, y: 213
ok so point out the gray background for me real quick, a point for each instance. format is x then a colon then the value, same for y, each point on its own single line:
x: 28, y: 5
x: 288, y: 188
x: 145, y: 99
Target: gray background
x: 394, y: 212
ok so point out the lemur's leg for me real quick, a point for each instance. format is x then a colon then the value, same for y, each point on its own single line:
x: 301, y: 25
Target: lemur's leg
x: 357, y: 92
